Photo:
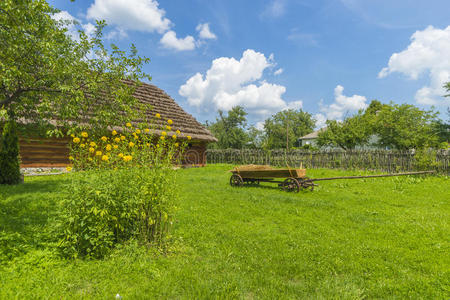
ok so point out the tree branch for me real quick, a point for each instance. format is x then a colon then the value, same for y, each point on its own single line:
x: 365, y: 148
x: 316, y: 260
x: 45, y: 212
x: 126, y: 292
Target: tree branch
x: 20, y: 91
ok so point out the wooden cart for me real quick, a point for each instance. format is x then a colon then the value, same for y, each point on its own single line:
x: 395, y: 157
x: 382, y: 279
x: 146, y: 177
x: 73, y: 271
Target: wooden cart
x: 295, y: 179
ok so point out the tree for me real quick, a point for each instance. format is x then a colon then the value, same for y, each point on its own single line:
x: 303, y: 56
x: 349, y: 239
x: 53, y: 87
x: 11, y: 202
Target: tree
x: 255, y: 138
x: 286, y: 127
x: 48, y: 78
x: 9, y: 152
x: 47, y: 75
x: 230, y: 129
x: 405, y: 127
x: 353, y: 131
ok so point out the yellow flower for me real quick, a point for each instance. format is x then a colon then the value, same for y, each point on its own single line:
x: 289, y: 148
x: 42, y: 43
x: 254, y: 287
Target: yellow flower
x: 162, y: 137
x: 174, y: 136
x: 108, y: 147
x: 128, y: 124
x: 157, y: 145
x: 117, y: 140
x: 170, y: 122
x: 122, y: 137
x: 76, y: 140
x: 115, y: 146
x: 69, y: 169
x: 90, y: 158
x: 82, y: 145
x: 127, y: 158
x: 138, y: 131
x: 91, y: 150
x: 72, y: 135
x: 131, y: 144
x: 98, y: 153
x: 158, y: 116
x: 147, y: 130
x: 163, y: 133
x: 84, y: 134
x: 114, y: 132
x: 168, y: 127
x: 178, y: 132
x: 71, y: 157
x: 176, y: 144
x: 120, y: 155
x: 135, y: 136
x: 189, y: 137
x: 92, y: 144
x: 104, y: 138
x: 105, y: 157
x: 148, y: 144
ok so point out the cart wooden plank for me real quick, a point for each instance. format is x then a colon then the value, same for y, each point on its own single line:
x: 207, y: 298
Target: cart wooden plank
x: 275, y: 173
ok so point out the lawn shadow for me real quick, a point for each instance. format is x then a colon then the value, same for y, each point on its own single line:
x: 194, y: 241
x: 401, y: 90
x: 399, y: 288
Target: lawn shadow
x: 25, y: 212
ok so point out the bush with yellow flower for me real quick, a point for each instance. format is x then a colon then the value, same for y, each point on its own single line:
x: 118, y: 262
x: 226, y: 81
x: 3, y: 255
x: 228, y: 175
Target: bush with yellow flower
x: 124, y: 188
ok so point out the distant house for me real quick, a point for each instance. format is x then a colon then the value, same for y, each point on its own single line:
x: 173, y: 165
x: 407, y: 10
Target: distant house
x: 38, y: 151
x: 311, y: 138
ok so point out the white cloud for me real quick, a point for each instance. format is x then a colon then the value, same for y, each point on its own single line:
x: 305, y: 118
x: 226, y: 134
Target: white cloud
x: 320, y: 120
x: 70, y: 23
x: 302, y: 38
x: 275, y: 9
x: 170, y: 41
x: 89, y: 29
x: 342, y: 105
x: 141, y: 15
x: 259, y: 125
x: 428, y: 53
x: 116, y: 33
x: 294, y: 105
x: 230, y: 82
x: 278, y: 72
x: 205, y: 32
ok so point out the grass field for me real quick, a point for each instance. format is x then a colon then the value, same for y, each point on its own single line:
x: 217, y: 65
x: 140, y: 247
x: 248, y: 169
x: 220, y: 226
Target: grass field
x: 369, y: 238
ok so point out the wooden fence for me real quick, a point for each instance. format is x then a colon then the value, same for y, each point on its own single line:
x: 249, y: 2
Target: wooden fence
x: 380, y: 160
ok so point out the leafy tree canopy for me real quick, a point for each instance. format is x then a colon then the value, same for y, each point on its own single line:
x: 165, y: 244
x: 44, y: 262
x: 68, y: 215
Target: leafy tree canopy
x: 287, y: 126
x: 405, y: 126
x: 353, y: 131
x: 230, y: 129
x: 47, y: 75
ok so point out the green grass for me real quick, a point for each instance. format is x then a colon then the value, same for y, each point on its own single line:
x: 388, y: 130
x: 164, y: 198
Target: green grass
x: 368, y: 238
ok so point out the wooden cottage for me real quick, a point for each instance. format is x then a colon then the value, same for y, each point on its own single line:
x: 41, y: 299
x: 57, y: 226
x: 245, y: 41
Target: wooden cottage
x: 54, y: 152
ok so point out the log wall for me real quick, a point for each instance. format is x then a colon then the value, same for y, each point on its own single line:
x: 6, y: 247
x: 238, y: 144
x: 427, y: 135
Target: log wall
x: 54, y: 152
x: 44, y: 152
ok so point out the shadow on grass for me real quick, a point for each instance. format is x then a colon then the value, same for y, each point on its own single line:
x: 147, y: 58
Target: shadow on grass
x: 272, y: 187
x: 26, y: 211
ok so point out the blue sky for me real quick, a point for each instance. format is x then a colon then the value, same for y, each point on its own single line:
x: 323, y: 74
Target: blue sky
x: 329, y: 57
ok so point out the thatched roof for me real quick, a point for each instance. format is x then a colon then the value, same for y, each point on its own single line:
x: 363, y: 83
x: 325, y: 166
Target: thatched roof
x: 168, y: 109
x: 163, y: 104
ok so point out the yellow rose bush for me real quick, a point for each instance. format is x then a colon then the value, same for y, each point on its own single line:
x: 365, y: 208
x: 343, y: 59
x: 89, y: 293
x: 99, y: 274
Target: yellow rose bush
x: 123, y: 187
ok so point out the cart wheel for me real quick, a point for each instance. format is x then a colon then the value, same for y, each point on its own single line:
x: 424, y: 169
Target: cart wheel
x: 291, y: 185
x: 307, y: 184
x: 236, y: 180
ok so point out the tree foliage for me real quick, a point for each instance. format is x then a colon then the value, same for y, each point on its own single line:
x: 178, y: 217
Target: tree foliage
x: 287, y: 126
x: 396, y: 126
x: 47, y: 75
x: 405, y: 127
x: 353, y: 131
x: 230, y: 129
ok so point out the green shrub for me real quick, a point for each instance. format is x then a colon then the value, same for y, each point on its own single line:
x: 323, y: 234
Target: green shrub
x: 425, y: 159
x: 124, y: 188
x: 9, y: 155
